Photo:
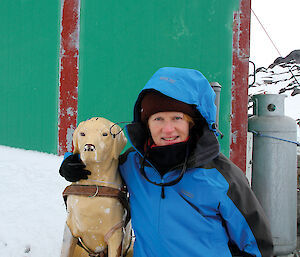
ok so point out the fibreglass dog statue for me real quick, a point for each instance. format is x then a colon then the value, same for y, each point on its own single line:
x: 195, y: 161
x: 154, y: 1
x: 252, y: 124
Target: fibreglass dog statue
x: 97, y: 206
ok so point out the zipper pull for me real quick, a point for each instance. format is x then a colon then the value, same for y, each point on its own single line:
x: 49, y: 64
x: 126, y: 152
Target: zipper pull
x: 163, y: 196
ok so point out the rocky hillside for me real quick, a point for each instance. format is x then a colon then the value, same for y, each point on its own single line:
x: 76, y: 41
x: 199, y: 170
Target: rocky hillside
x: 281, y: 77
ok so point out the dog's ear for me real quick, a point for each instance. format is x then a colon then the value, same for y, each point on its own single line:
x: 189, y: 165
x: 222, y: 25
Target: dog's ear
x: 75, y: 140
x: 119, y: 144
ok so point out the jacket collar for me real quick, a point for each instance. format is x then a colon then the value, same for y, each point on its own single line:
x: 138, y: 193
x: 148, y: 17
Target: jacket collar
x: 207, y: 148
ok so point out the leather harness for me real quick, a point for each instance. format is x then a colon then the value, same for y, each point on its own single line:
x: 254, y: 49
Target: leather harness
x: 100, y: 191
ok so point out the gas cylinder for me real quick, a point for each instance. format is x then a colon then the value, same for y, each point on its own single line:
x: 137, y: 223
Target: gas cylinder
x: 274, y: 170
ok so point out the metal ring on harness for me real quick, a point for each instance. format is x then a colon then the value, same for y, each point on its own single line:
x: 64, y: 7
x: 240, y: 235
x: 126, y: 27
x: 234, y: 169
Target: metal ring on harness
x: 95, y: 193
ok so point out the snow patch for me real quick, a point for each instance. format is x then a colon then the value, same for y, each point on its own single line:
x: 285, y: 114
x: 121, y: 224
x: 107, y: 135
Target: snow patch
x: 32, y: 209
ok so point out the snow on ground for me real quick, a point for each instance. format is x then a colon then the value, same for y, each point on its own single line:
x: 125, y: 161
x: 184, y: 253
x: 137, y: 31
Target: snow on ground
x: 32, y: 211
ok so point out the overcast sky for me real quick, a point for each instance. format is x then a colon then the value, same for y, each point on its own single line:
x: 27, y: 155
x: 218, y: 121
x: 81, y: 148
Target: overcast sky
x: 281, y: 20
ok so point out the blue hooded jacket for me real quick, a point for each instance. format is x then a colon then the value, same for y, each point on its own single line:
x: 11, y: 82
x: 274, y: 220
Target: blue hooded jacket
x: 211, y: 207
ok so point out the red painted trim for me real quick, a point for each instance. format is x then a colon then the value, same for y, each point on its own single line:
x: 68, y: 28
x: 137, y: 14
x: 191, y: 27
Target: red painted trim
x: 239, y: 90
x: 68, y: 81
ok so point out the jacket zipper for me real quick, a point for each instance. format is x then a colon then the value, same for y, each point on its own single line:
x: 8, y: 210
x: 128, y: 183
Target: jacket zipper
x: 159, y: 207
x: 163, y: 196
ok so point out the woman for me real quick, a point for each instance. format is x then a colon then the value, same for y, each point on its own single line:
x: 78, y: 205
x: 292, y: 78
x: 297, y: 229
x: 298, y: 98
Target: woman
x: 187, y: 199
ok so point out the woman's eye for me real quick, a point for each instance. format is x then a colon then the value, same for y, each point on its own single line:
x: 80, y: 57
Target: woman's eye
x: 178, y: 118
x: 105, y: 134
x: 158, y: 118
x: 82, y: 134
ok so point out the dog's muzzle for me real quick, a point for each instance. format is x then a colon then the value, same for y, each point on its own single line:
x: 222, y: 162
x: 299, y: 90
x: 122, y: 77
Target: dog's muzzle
x: 89, y: 147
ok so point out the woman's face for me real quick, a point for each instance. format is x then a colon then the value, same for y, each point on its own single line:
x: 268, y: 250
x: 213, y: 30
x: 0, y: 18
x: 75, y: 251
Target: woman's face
x: 168, y: 128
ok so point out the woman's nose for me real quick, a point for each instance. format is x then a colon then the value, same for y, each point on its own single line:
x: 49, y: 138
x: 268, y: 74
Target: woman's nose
x: 168, y: 127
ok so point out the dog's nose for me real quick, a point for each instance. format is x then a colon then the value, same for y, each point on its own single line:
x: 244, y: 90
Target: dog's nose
x: 89, y: 147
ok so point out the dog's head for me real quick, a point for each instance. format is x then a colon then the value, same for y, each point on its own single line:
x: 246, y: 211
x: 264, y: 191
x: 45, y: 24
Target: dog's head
x: 98, y: 139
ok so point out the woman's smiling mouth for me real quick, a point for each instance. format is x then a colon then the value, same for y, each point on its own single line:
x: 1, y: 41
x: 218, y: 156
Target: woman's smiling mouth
x: 170, y: 138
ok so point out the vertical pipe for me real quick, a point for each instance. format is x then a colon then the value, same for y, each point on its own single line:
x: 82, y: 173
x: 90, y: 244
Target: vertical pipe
x: 217, y: 88
x: 239, y: 89
x: 68, y: 80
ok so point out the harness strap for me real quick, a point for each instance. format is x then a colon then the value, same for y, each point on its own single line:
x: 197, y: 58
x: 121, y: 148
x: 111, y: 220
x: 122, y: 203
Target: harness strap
x: 112, y: 230
x: 92, y: 191
x: 103, y: 253
x: 99, y: 191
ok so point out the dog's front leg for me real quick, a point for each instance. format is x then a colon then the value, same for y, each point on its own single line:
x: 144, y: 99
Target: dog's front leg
x: 69, y: 243
x: 115, y: 244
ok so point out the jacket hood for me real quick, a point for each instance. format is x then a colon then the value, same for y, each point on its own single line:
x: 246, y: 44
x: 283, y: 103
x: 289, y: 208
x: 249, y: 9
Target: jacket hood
x: 186, y: 85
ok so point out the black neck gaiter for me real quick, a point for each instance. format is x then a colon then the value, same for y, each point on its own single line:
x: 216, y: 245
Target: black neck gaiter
x: 164, y: 158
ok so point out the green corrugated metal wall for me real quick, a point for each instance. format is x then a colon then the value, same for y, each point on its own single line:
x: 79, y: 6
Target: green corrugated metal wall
x: 122, y: 45
x: 29, y: 47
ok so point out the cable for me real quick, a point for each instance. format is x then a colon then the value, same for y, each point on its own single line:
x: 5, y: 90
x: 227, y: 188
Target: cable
x: 257, y: 133
x: 266, y: 32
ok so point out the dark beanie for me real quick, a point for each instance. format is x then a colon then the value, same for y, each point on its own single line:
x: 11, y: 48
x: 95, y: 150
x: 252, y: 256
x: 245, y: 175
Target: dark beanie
x: 154, y: 102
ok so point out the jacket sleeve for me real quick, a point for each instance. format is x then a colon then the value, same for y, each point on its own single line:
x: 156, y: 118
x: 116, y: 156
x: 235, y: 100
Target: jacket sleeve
x: 244, y: 218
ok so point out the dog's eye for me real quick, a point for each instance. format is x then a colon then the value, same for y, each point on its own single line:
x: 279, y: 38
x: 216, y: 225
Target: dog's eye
x: 82, y: 134
x: 105, y: 134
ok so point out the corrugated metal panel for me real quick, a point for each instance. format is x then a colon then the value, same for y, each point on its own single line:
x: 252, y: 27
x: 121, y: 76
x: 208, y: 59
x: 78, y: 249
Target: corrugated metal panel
x: 122, y: 44
x: 29, y: 74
